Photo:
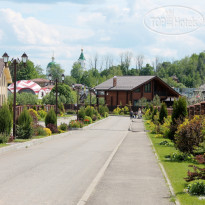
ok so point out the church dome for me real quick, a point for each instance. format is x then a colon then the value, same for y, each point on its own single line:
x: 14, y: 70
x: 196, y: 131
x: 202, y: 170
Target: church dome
x: 52, y: 63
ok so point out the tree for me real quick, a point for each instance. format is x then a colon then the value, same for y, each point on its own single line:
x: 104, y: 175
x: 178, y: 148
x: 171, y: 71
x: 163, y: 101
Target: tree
x: 56, y: 72
x: 139, y: 59
x: 77, y: 72
x: 163, y: 113
x: 5, y: 120
x: 69, y: 80
x: 147, y: 70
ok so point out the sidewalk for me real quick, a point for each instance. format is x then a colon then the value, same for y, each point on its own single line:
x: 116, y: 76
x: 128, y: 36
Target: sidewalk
x: 133, y: 177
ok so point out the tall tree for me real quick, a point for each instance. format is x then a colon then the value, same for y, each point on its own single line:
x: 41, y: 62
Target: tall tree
x: 77, y: 72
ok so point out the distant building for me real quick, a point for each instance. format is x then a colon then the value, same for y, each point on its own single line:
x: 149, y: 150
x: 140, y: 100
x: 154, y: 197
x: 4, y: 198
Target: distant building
x: 50, y: 65
x: 81, y: 60
x: 5, y: 79
x: 42, y: 82
x: 124, y: 89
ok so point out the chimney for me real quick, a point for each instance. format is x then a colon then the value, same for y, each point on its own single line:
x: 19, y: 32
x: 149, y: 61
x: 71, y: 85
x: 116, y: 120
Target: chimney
x: 114, y: 81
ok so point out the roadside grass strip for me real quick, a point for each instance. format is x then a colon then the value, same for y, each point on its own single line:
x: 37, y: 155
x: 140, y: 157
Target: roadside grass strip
x: 176, y: 171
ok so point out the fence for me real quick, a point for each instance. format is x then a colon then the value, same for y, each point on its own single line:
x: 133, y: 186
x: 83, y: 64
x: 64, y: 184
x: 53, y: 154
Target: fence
x: 20, y: 108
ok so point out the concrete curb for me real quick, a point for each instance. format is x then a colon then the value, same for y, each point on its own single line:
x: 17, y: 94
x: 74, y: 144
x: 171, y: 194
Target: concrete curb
x: 32, y: 142
x: 164, y: 172
x: 42, y: 140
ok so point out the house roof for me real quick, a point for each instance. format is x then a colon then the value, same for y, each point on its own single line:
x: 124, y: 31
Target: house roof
x: 124, y: 83
x: 40, y: 80
x: 130, y: 83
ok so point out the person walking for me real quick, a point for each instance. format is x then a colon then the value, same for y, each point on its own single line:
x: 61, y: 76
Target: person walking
x: 139, y: 113
x: 131, y: 114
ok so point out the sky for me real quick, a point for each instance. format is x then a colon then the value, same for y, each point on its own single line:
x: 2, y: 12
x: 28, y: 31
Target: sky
x: 111, y: 27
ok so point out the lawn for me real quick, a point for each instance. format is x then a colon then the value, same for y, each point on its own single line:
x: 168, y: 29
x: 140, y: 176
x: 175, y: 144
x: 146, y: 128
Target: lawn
x: 176, y: 171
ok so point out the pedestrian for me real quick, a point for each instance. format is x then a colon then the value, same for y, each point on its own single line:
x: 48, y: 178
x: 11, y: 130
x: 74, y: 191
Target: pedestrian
x: 131, y: 114
x: 139, y: 113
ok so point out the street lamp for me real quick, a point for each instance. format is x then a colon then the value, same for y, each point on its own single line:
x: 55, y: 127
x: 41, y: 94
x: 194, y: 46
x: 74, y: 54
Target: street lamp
x: 56, y: 83
x: 90, y: 91
x: 77, y: 87
x: 15, y: 62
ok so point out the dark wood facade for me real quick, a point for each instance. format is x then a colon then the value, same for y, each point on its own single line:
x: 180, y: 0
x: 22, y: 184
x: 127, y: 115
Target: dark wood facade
x: 148, y: 90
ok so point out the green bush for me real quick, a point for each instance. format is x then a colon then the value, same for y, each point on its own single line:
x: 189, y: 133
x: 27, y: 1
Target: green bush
x: 24, y: 128
x: 39, y: 130
x: 189, y: 135
x: 25, y: 99
x: 179, y: 157
x: 106, y: 114
x: 51, y: 117
x: 5, y: 120
x: 103, y: 109
x: 178, y: 115
x: 126, y: 110
x: 75, y: 124
x: 87, y: 120
x: 42, y: 113
x: 63, y: 126
x: 116, y: 111
x: 196, y: 188
x: 4, y: 138
x: 61, y: 107
x: 89, y: 111
x: 71, y: 112
x: 155, y: 111
x: 81, y: 113
x: 163, y: 113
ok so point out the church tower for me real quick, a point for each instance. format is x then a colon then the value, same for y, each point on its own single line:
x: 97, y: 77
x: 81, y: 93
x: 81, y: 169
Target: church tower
x: 51, y: 64
x: 81, y: 60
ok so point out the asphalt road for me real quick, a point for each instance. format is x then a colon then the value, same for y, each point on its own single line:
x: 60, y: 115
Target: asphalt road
x: 59, y: 171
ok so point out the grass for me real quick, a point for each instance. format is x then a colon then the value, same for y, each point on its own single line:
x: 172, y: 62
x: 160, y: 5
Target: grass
x: 3, y: 145
x: 176, y: 171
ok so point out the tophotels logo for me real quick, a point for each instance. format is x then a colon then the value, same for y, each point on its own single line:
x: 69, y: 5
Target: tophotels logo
x: 173, y: 20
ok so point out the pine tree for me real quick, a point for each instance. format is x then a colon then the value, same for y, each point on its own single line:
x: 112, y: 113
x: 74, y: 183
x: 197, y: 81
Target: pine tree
x: 163, y: 113
x: 51, y: 118
x: 5, y: 120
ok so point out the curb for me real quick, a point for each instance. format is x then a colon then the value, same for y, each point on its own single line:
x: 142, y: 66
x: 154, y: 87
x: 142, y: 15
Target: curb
x: 32, y: 142
x: 42, y: 140
x: 164, y: 172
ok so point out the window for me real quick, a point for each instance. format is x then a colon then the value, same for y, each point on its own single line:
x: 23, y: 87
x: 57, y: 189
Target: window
x: 147, y: 88
x: 137, y: 90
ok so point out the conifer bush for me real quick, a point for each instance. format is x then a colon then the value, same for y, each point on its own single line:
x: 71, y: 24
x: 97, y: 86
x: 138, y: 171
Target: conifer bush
x: 81, y: 113
x: 24, y: 128
x: 89, y: 111
x: 51, y: 118
x: 5, y: 120
x: 163, y: 113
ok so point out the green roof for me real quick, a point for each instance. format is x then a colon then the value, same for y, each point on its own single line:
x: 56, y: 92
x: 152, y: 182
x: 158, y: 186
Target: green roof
x: 81, y: 55
x: 52, y: 63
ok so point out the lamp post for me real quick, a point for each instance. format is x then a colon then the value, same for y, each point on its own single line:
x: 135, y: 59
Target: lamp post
x: 15, y: 62
x: 90, y: 91
x: 56, y: 83
x: 78, y: 87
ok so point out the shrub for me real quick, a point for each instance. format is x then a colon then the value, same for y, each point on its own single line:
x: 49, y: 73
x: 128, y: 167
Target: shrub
x: 165, y: 127
x: 75, y: 124
x: 5, y: 120
x: 95, y: 112
x: 148, y: 114
x: 165, y: 143
x: 155, y: 111
x: 24, y: 128
x: 179, y: 157
x: 196, y: 188
x: 42, y: 113
x: 51, y: 118
x: 94, y: 118
x: 39, y: 131
x: 103, y: 109
x: 99, y: 116
x: 126, y: 110
x: 116, y: 111
x: 61, y: 107
x: 48, y: 131
x: 178, y: 115
x: 4, y: 138
x: 106, y: 114
x: 163, y: 113
x: 198, y: 173
x: 72, y: 112
x: 188, y: 135
x: 87, y: 120
x: 53, y: 128
x: 89, y: 111
x: 81, y: 113
x: 63, y: 126
x: 200, y: 159
x: 34, y: 115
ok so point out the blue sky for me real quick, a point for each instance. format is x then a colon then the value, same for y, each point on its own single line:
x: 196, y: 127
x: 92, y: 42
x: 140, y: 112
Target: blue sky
x: 111, y: 27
